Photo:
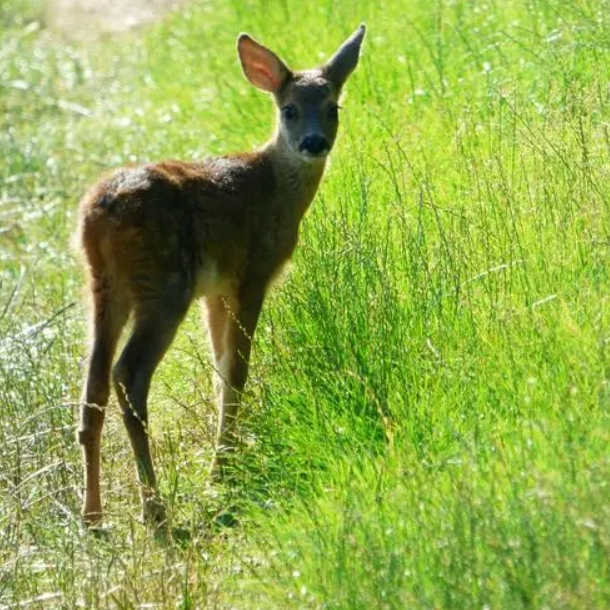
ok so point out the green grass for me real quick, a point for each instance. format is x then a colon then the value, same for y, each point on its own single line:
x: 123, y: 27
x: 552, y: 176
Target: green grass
x: 428, y: 416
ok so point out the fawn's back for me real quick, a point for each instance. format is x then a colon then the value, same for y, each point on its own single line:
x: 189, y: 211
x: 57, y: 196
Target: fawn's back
x: 212, y: 223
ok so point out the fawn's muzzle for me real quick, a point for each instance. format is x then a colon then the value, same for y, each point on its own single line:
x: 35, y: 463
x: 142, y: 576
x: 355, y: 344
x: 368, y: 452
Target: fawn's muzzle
x: 316, y: 146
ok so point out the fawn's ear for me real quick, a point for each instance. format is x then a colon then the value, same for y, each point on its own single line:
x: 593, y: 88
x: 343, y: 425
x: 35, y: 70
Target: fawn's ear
x: 344, y: 61
x: 262, y: 67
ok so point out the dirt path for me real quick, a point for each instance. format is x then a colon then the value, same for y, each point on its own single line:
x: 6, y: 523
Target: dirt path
x: 89, y: 19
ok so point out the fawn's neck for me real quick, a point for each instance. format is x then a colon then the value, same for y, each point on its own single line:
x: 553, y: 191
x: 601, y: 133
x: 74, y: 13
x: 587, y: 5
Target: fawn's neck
x: 297, y: 178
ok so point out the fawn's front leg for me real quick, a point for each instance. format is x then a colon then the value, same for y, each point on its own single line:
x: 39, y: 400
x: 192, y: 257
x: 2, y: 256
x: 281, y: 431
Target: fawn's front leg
x: 232, y: 322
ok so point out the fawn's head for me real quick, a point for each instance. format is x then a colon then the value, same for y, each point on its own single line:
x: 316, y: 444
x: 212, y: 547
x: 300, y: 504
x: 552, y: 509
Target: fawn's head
x: 308, y: 101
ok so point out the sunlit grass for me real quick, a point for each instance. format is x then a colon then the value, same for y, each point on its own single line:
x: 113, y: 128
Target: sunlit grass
x: 427, y: 420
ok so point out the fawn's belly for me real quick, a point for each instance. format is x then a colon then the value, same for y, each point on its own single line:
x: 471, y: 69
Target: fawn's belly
x: 210, y: 281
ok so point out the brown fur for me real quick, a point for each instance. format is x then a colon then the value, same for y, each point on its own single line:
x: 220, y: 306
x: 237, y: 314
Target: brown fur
x: 156, y: 237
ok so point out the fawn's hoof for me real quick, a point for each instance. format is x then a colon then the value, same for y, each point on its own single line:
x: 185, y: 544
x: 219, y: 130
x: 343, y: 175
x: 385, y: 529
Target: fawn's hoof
x: 154, y: 511
x: 94, y: 523
x: 216, y: 470
x: 220, y: 470
x: 222, y: 467
x: 92, y: 519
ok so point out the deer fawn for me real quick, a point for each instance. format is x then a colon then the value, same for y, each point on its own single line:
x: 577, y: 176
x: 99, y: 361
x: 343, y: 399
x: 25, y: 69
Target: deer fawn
x: 156, y: 237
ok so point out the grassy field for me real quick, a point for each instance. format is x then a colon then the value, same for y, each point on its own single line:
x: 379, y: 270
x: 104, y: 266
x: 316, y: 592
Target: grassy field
x: 428, y: 416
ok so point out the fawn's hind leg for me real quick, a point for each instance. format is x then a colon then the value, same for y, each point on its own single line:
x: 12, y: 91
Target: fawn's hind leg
x: 108, y: 318
x: 154, y: 329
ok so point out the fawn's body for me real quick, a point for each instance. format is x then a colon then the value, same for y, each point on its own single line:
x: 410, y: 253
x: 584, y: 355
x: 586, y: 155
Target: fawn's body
x: 158, y: 236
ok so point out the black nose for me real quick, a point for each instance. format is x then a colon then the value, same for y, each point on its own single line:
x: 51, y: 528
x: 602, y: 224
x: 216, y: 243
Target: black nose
x: 314, y: 145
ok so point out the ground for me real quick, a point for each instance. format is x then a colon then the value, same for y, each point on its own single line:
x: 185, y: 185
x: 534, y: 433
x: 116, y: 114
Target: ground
x: 88, y: 19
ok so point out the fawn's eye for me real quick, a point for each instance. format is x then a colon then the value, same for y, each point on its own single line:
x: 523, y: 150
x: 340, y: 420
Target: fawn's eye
x: 290, y: 113
x: 333, y: 111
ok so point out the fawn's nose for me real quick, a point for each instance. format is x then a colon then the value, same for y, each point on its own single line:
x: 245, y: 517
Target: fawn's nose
x: 314, y: 145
